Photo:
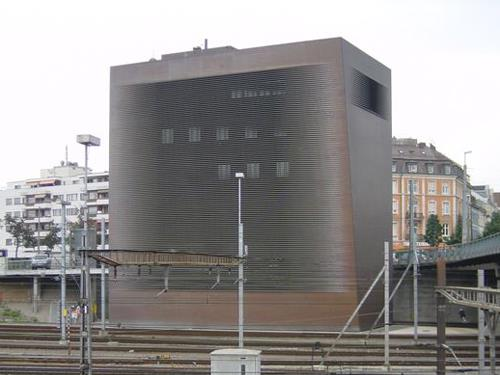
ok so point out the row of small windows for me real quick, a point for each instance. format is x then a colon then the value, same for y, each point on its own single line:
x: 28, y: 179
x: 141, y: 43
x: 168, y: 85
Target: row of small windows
x: 412, y: 167
x: 431, y: 207
x: 431, y: 187
x: 395, y: 226
x: 46, y: 213
x: 253, y: 170
x: 32, y: 200
x: 221, y: 134
x: 238, y: 94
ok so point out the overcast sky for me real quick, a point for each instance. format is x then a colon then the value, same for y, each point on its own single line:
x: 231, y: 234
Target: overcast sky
x: 55, y: 58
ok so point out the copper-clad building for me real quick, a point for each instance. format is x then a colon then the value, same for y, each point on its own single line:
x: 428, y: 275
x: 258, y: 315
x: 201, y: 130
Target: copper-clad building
x: 309, y: 124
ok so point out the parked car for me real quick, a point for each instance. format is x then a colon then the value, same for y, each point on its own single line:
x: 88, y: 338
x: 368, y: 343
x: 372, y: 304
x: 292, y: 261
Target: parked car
x: 41, y: 261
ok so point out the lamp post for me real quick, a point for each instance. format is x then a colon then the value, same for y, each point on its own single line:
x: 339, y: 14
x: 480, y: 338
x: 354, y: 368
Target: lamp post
x: 63, y: 271
x: 85, y: 291
x: 240, y: 176
x: 465, y: 211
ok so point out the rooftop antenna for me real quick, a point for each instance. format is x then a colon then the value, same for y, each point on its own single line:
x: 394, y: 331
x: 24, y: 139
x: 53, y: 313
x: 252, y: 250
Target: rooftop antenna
x: 206, y: 43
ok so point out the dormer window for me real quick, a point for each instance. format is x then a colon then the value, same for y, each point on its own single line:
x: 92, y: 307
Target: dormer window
x: 412, y: 167
x: 430, y: 168
x: 447, y: 169
x: 394, y: 167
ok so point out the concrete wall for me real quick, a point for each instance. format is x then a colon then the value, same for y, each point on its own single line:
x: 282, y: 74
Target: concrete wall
x: 403, y: 300
x: 17, y: 294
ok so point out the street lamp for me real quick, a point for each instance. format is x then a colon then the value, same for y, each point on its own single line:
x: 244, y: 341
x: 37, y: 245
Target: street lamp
x: 85, y: 291
x: 465, y: 211
x: 240, y: 176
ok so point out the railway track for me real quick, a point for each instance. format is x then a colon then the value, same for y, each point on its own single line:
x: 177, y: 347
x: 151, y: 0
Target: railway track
x: 28, y: 349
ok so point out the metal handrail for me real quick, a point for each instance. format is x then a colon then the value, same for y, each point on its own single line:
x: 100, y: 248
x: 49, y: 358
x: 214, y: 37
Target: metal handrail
x: 455, y: 253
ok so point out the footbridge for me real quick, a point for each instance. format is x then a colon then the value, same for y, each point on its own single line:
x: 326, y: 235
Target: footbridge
x: 474, y: 254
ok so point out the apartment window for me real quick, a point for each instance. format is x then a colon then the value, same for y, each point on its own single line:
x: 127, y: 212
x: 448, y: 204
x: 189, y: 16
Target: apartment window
x: 194, y: 134
x: 446, y: 230
x: 445, y: 189
x: 395, y: 206
x: 82, y: 196
x: 253, y: 170
x: 447, y: 169
x: 394, y: 167
x: 8, y: 201
x: 71, y: 197
x: 8, y: 242
x: 222, y: 134
x: 92, y: 195
x: 250, y: 133
x: 432, y: 208
x: 282, y: 169
x: 415, y: 186
x: 56, y: 197
x: 446, y: 208
x: 56, y: 212
x: 93, y: 210
x: 17, y: 214
x: 167, y: 136
x: 17, y: 200
x: 72, y: 211
x: 430, y: 168
x: 224, y: 171
x: 411, y: 167
x: 431, y: 187
x: 395, y: 230
x: 394, y: 186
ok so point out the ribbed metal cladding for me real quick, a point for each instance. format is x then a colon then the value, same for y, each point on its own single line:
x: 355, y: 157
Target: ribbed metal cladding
x: 170, y: 195
x: 309, y: 124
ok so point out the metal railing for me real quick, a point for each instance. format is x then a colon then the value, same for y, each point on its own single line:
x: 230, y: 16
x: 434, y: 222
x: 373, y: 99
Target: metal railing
x: 482, y: 298
x: 453, y: 253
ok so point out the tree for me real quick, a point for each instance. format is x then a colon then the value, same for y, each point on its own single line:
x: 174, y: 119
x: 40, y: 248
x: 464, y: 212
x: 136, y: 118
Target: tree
x: 457, y: 236
x: 29, y: 239
x: 20, y: 232
x: 433, y: 231
x: 52, y: 238
x: 493, y: 225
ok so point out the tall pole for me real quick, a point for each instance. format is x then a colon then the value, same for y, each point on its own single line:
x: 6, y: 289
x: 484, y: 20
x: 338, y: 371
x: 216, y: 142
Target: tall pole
x: 465, y: 211
x: 413, y: 252
x: 38, y: 230
x: 63, y: 272
x: 103, y: 276
x: 240, y: 176
x: 386, y: 306
x: 480, y: 324
x: 86, y: 289
x: 441, y: 316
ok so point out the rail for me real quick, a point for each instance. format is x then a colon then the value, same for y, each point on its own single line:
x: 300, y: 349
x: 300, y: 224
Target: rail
x: 481, y: 298
x: 479, y: 248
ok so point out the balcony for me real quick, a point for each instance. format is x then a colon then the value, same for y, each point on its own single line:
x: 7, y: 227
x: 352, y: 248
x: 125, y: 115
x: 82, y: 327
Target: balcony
x: 418, y: 216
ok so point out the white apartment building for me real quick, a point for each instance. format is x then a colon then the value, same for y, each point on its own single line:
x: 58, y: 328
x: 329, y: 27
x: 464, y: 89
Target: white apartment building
x: 36, y: 200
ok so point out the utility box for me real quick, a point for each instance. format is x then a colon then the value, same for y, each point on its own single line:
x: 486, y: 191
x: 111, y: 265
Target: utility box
x: 235, y: 361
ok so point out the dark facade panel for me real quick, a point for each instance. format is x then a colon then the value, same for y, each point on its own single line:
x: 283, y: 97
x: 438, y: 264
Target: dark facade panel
x: 175, y: 146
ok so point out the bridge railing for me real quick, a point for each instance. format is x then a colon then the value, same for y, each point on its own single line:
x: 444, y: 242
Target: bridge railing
x: 482, y: 298
x: 453, y: 253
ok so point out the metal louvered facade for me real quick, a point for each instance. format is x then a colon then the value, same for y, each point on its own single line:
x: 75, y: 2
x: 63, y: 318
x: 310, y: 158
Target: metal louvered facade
x: 316, y: 193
